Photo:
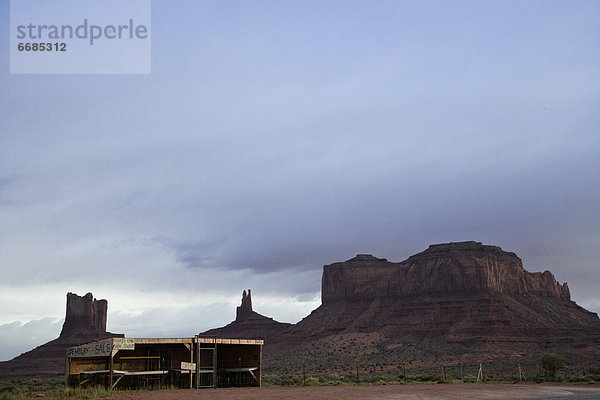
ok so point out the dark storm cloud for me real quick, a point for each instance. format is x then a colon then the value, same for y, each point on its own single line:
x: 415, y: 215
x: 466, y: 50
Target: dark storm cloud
x: 402, y: 210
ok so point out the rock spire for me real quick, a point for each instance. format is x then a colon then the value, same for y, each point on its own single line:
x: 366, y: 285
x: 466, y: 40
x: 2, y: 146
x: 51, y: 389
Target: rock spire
x: 245, y: 309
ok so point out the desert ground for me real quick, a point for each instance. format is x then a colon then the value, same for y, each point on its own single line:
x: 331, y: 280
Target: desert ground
x: 421, y: 392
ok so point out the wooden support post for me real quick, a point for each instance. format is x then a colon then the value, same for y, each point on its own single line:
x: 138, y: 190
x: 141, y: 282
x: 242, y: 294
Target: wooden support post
x: 197, y: 362
x: 67, y: 370
x: 191, y: 349
x: 110, y: 371
x: 111, y: 366
x: 260, y: 366
x: 215, y: 364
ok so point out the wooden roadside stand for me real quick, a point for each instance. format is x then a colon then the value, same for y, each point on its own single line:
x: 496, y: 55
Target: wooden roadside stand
x: 198, y: 362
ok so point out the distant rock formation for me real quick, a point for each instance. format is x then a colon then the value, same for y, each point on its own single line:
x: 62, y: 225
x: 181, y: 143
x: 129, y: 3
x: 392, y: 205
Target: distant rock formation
x: 249, y: 324
x: 442, y: 269
x: 84, y: 314
x: 456, y: 302
x: 85, y: 321
x: 454, y: 295
x: 245, y: 309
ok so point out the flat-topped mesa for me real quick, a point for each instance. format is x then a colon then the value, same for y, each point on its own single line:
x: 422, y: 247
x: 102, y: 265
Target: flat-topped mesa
x: 84, y: 313
x: 366, y: 258
x: 460, y: 246
x: 442, y: 269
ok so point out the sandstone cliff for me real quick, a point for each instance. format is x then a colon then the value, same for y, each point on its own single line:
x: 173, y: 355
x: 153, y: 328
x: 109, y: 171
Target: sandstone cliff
x: 84, y: 314
x: 85, y: 321
x: 456, y: 297
x: 443, y: 269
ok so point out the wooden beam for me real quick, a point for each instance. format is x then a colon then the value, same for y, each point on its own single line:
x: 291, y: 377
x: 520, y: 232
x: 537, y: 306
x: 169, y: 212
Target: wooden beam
x: 254, y: 376
x: 138, y: 357
x: 117, y: 381
x: 84, y: 381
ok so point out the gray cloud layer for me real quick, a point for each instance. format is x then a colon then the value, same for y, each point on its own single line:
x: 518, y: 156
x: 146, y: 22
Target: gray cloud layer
x: 271, y: 140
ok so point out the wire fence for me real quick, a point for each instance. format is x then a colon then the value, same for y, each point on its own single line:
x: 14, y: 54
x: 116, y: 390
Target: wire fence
x: 403, y: 373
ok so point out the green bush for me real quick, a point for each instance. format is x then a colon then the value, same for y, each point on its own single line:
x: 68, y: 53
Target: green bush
x: 312, y: 381
x: 552, y: 363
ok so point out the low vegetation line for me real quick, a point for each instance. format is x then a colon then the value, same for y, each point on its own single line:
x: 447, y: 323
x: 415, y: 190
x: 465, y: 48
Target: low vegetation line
x: 553, y: 371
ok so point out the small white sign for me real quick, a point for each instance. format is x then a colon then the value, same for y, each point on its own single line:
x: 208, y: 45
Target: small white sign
x: 188, y: 366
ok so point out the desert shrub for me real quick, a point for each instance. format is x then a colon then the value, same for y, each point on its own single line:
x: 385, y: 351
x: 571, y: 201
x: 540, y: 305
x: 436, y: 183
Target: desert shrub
x: 281, y: 380
x: 552, y: 363
x: 424, y: 378
x: 312, y: 381
x: 331, y: 380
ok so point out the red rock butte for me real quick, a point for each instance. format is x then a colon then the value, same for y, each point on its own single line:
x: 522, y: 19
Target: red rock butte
x: 456, y: 290
x: 442, y: 269
x: 84, y: 313
x: 461, y: 299
x: 85, y: 321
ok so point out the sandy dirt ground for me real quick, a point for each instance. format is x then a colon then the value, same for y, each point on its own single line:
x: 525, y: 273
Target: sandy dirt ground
x: 421, y: 392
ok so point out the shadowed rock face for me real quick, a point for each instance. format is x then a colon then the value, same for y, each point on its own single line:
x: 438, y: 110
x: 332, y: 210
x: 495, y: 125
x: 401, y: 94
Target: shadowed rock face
x: 84, y: 313
x: 443, y: 269
x: 455, y: 295
x: 245, y: 309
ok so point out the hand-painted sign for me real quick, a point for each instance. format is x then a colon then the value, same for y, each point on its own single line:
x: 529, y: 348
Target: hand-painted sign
x: 100, y: 348
x: 123, y: 344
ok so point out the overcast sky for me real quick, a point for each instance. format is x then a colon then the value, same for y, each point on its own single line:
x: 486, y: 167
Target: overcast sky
x: 273, y: 137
